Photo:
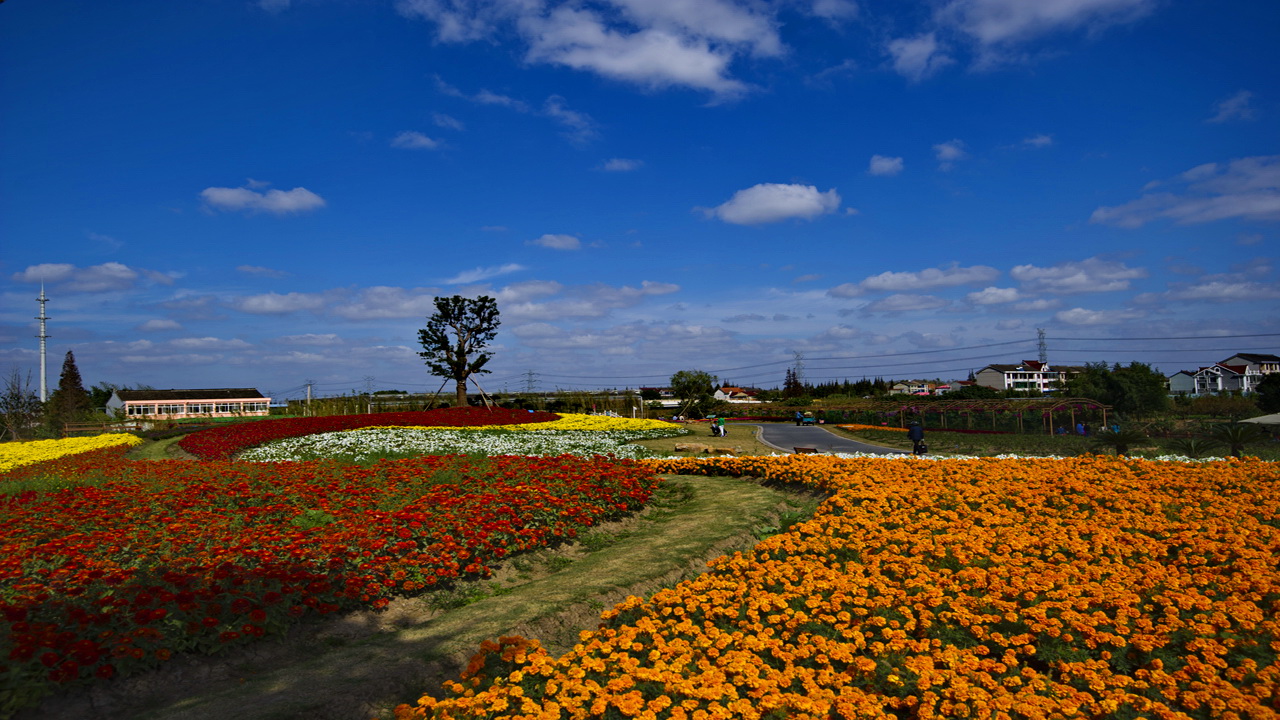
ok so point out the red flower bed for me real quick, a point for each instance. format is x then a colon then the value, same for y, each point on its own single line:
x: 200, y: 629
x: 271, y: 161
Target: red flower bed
x: 223, y: 442
x: 138, y: 560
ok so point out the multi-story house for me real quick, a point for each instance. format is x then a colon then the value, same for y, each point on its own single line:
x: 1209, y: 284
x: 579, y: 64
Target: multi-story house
x: 1030, y: 376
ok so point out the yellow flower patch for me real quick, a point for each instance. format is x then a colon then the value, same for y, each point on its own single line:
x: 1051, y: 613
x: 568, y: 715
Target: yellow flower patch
x: 573, y: 421
x: 15, y: 454
x: 993, y: 588
x: 855, y: 427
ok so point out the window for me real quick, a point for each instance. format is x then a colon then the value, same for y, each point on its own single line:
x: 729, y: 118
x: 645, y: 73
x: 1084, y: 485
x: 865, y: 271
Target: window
x: 228, y: 407
x: 169, y: 409
x: 141, y: 409
x: 199, y: 408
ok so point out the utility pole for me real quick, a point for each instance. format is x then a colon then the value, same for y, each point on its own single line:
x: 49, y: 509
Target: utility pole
x: 310, y: 382
x: 799, y: 367
x: 530, y: 382
x: 44, y: 337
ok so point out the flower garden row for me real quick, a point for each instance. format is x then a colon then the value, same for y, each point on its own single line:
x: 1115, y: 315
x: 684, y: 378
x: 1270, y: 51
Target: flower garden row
x: 123, y: 563
x: 15, y: 454
x: 1069, y: 588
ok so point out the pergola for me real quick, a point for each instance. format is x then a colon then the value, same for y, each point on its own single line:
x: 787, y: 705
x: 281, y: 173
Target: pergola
x: 941, y: 406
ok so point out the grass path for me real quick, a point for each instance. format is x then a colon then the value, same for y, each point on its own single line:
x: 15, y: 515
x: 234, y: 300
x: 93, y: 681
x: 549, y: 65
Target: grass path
x: 361, y: 666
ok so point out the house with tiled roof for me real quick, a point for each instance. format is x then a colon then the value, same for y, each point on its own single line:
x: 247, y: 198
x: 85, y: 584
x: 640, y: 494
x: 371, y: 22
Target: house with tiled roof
x: 1027, y: 376
x: 181, y: 404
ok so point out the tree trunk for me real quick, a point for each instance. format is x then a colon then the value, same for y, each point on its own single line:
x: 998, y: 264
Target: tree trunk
x: 462, y: 392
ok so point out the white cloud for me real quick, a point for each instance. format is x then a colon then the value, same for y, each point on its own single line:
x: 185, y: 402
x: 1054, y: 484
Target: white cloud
x: 1038, y: 305
x: 208, y: 343
x: 926, y: 279
x: 650, y: 57
x: 948, y: 153
x: 279, y: 202
x: 1235, y: 107
x: 382, y: 302
x: 1038, y: 141
x: 1082, y: 316
x: 835, y: 10
x: 883, y: 165
x: 261, y: 271
x: 274, y: 6
x: 1246, y: 188
x: 773, y: 202
x: 557, y: 242
x: 312, y: 339
x: 994, y: 296
x: 158, y: 325
x: 1091, y: 275
x: 479, y: 274
x: 526, y: 291
x: 579, y: 127
x: 919, y: 57
x: 278, y: 304
x: 621, y: 165
x: 1224, y: 290
x: 413, y: 140
x: 900, y: 302
x: 1002, y: 22
x: 447, y: 121
x: 107, y: 277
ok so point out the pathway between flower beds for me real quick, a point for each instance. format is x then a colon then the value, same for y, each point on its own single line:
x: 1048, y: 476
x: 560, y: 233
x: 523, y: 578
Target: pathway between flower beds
x: 362, y: 665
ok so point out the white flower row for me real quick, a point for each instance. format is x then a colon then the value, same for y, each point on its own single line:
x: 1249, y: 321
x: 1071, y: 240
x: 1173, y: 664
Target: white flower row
x: 363, y: 445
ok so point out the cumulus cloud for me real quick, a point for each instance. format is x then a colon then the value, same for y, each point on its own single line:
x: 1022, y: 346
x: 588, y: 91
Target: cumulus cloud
x: 312, y: 339
x: 883, y: 165
x: 773, y: 202
x: 1005, y: 22
x: 278, y: 304
x: 414, y: 140
x: 1038, y: 305
x: 1038, y: 141
x: 1085, y: 276
x: 447, y: 121
x: 918, y: 57
x: 158, y: 325
x: 249, y: 198
x: 1083, y: 316
x: 557, y: 242
x: 579, y: 127
x: 107, y: 277
x: 994, y: 296
x: 835, y: 10
x: 382, y: 302
x: 208, y: 343
x: 948, y: 153
x: 652, y: 44
x: 1236, y: 107
x: 526, y: 291
x: 479, y: 274
x: 1247, y: 188
x: 926, y: 279
x: 904, y: 302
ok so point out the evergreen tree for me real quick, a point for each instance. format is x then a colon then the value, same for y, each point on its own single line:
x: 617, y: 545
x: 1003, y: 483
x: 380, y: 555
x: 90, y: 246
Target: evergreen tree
x: 455, y: 337
x: 70, y: 402
x: 1269, y: 393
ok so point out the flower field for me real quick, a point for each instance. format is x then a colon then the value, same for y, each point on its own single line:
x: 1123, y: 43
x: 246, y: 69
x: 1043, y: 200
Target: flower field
x: 15, y: 454
x: 372, y: 443
x: 1049, y: 588
x: 224, y: 442
x: 120, y: 564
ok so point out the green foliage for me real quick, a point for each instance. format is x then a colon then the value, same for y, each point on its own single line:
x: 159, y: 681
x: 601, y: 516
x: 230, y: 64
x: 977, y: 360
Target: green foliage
x: 19, y: 405
x: 973, y: 392
x: 1237, y: 435
x: 459, y: 329
x: 1119, y: 440
x: 1136, y: 390
x: 1195, y: 447
x: 695, y: 389
x: 70, y: 402
x: 1269, y: 393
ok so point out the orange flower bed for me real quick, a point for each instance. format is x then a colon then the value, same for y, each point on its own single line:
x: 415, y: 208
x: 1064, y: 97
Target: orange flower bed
x: 1086, y: 587
x: 855, y: 427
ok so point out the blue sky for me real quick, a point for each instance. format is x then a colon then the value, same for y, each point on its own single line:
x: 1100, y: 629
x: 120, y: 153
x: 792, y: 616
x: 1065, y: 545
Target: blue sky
x: 225, y: 193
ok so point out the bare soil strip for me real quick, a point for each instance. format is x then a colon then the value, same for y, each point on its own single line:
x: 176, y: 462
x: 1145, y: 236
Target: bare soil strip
x: 362, y: 665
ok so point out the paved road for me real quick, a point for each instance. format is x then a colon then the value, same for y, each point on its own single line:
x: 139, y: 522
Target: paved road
x: 787, y: 437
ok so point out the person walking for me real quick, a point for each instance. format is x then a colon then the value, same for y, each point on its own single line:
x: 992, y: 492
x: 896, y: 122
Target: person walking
x: 720, y: 426
x: 915, y: 433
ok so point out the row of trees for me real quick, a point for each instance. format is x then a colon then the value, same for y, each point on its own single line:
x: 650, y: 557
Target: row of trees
x: 24, y: 416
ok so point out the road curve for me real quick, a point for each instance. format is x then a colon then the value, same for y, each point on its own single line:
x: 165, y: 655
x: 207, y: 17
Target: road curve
x: 787, y: 437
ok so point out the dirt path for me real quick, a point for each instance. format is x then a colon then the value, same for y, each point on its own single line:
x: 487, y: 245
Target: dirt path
x: 362, y: 665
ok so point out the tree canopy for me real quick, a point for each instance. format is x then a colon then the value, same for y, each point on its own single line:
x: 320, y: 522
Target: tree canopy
x: 696, y: 390
x: 455, y: 337
x: 1136, y: 389
x: 70, y: 402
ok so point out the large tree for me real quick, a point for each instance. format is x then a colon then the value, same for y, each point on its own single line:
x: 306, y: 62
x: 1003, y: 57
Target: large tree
x: 1134, y: 390
x: 459, y: 329
x: 70, y: 402
x: 696, y: 391
x: 19, y: 405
